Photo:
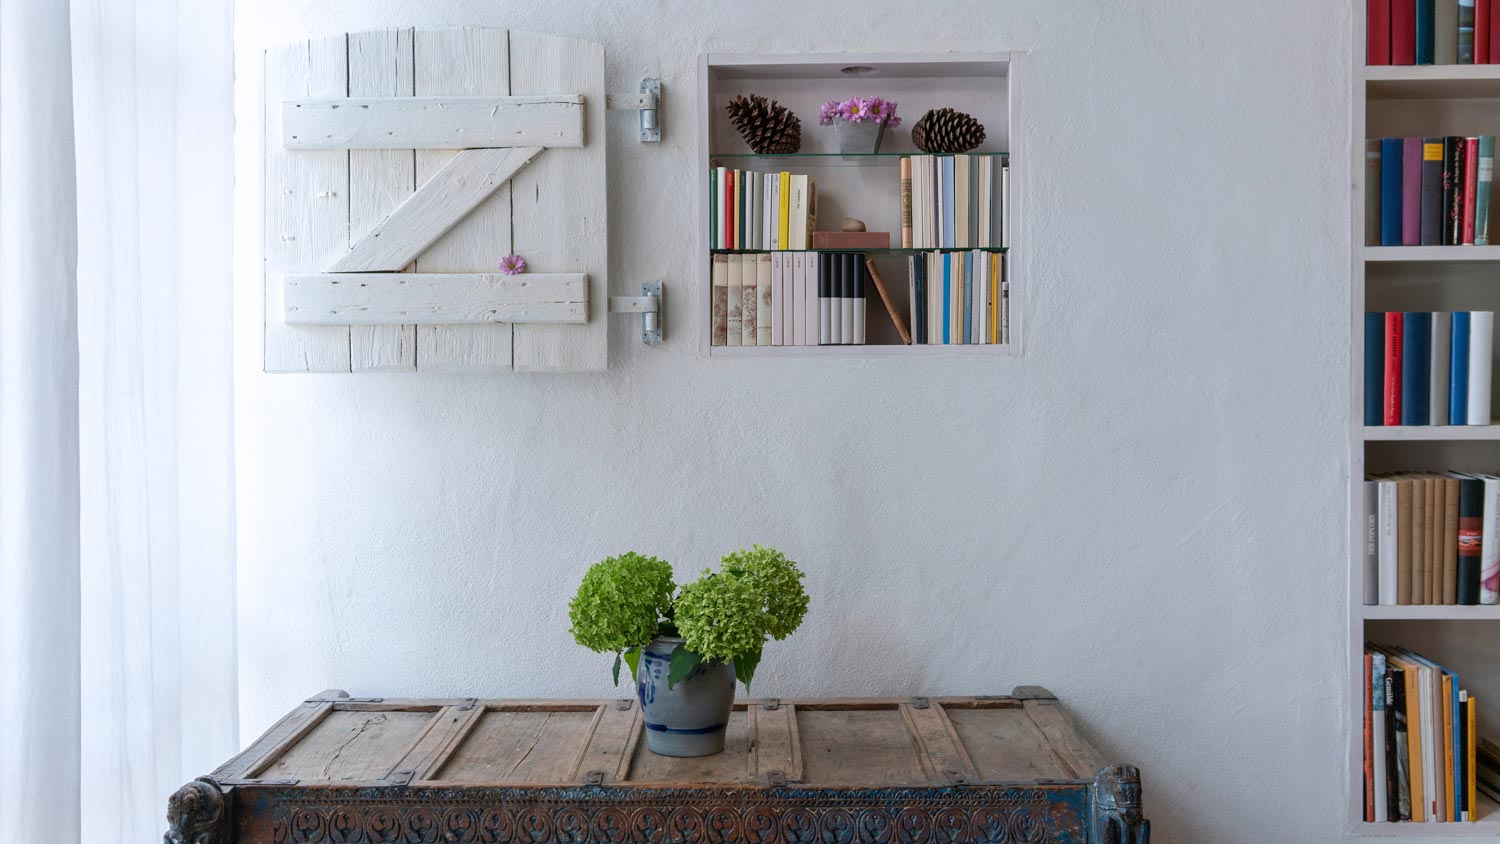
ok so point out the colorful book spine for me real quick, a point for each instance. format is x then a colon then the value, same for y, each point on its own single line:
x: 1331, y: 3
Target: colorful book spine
x: 1431, y: 214
x: 1392, y: 389
x: 1374, y: 367
x: 1425, y: 42
x: 1411, y: 191
x: 1378, y: 32
x: 1489, y: 545
x: 1454, y: 191
x: 1458, y: 371
x: 1485, y: 176
x: 1390, y: 191
x: 1403, y: 32
x: 749, y: 301
x: 1482, y: 17
x: 765, y: 312
x: 1380, y: 784
x: 1471, y: 187
x: 1416, y: 366
x: 1438, y: 380
x: 1470, y: 538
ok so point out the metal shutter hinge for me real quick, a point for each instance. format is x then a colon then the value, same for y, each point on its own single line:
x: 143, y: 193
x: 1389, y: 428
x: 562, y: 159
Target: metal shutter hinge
x: 648, y: 103
x: 648, y: 305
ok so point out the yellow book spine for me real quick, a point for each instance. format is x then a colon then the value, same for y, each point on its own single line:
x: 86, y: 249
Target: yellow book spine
x: 783, y: 218
x: 1414, y: 743
x: 994, y: 298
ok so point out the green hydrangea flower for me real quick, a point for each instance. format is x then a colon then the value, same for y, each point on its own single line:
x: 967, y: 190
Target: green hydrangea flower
x: 720, y: 617
x: 620, y: 602
x: 779, y: 582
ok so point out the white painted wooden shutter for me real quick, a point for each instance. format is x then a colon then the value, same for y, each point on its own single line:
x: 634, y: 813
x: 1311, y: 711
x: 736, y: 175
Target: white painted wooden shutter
x: 507, y: 154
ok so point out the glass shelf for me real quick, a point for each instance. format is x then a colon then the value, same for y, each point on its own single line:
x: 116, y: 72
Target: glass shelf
x: 891, y: 250
x: 831, y: 159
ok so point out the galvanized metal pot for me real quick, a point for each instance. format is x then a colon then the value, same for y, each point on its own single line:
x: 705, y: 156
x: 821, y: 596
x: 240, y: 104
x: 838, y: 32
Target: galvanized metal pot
x: 859, y: 138
x: 690, y: 718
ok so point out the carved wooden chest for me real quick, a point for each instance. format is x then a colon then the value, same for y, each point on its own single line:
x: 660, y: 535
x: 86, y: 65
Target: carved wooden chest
x: 342, y: 770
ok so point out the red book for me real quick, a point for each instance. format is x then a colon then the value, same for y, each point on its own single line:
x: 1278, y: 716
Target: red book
x: 1393, y: 368
x: 1494, y: 43
x: 731, y: 240
x: 1403, y: 31
x: 1471, y: 185
x: 1378, y: 31
x: 1482, y: 31
x: 1369, y: 746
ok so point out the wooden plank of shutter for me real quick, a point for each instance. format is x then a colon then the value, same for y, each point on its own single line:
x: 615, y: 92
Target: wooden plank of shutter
x: 939, y: 749
x: 559, y: 218
x: 466, y: 61
x: 380, y: 180
x: 452, y: 192
x: 306, y: 205
x: 282, y: 735
x: 775, y: 744
x: 376, y: 122
x: 435, y: 298
x: 610, y: 743
x: 1063, y: 736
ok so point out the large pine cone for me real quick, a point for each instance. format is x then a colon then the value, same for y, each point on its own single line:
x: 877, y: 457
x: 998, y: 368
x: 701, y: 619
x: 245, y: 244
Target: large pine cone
x: 768, y: 127
x: 943, y: 130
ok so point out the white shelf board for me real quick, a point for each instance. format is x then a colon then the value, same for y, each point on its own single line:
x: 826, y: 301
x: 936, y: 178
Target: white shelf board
x: 887, y: 65
x: 1431, y: 433
x: 1427, y: 612
x: 1451, y: 81
x: 1431, y: 253
x: 872, y: 350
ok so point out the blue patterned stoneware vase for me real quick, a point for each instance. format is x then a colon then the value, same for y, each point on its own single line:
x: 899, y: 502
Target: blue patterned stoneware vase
x: 688, y: 719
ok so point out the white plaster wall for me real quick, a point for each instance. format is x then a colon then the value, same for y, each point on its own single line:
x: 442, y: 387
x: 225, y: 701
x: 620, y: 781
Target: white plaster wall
x: 1144, y: 513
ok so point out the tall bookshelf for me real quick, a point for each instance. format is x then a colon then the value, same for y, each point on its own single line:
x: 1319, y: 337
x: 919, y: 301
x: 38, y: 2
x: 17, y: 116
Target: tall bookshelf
x: 1407, y: 101
x: 865, y: 187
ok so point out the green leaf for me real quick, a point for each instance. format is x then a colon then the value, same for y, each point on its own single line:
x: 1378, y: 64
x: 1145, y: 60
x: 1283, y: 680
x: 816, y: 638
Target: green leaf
x: 744, y: 667
x: 633, y: 659
x: 617, y: 670
x: 682, y: 665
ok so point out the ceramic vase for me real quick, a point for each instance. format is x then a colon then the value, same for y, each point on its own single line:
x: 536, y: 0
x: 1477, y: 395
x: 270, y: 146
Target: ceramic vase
x: 690, y: 718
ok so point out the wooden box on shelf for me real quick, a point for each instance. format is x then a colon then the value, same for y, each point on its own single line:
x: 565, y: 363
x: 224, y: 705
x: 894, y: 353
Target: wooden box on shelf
x: 863, y: 186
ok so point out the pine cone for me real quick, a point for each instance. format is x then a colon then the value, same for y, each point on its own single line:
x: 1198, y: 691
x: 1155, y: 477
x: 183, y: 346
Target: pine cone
x: 769, y: 128
x: 944, y: 130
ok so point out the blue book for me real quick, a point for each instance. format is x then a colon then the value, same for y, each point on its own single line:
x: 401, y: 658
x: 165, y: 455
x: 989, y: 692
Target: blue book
x: 948, y: 238
x: 947, y: 297
x: 919, y: 323
x: 1458, y: 371
x: 1390, y: 191
x: 1416, y: 366
x: 968, y: 297
x: 1374, y: 367
x: 1426, y: 30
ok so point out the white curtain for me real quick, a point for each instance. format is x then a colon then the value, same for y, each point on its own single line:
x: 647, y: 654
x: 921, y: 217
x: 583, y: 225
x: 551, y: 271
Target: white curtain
x: 117, y: 662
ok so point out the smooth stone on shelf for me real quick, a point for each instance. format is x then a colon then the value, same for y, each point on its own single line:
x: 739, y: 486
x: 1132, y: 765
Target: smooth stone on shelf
x: 852, y: 225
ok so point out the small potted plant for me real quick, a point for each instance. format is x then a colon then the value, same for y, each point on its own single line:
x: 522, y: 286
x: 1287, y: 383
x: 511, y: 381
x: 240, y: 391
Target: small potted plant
x: 859, y: 122
x: 686, y: 647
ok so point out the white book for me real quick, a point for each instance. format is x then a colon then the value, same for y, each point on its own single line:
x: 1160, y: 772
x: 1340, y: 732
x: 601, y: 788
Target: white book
x: 1005, y: 205
x: 1442, y: 334
x: 765, y: 309
x: 1377, y: 734
x: 935, y: 298
x: 757, y: 202
x: 767, y: 210
x: 1481, y: 355
x: 976, y: 297
x: 1489, y: 543
x: 916, y: 202
x: 797, y: 210
x: 735, y: 302
x: 778, y: 300
x: 1372, y: 542
x: 797, y: 304
x: 776, y: 211
x: 1430, y: 782
x: 982, y: 164
x: 1387, y: 524
x: 860, y: 301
